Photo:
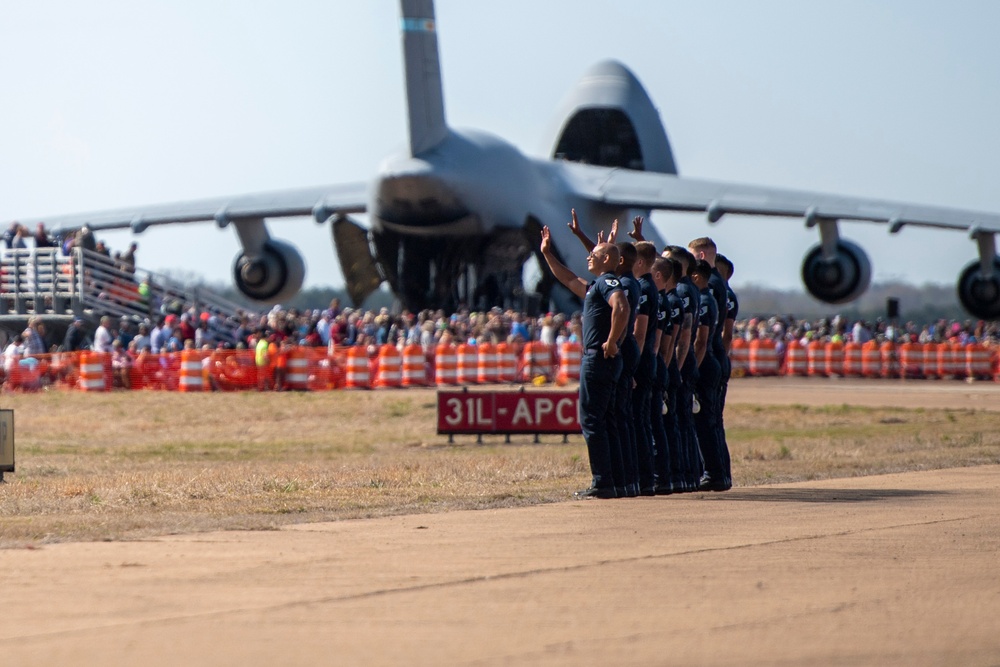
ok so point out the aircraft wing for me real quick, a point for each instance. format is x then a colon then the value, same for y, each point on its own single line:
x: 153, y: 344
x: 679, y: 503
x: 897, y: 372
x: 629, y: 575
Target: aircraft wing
x: 322, y: 202
x: 647, y: 190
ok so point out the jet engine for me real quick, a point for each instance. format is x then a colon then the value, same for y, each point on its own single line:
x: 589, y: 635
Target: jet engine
x: 838, y: 276
x: 979, y: 294
x: 273, y: 275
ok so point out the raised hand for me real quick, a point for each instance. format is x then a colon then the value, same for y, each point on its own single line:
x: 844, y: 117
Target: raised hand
x: 636, y: 232
x: 547, y: 239
x: 614, y: 231
x: 600, y: 237
x: 573, y: 224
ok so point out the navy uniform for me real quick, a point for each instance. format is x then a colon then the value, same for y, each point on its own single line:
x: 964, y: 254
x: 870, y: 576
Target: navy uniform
x: 665, y: 427
x: 598, y: 379
x: 732, y: 312
x: 719, y: 289
x: 709, y: 384
x: 644, y: 376
x: 623, y: 392
x: 689, y: 453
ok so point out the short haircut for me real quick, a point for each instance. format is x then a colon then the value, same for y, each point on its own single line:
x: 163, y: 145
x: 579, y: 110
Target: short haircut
x: 723, y: 261
x: 670, y: 269
x: 702, y: 242
x: 682, y: 255
x: 701, y: 268
x: 627, y: 253
x: 612, y: 251
x: 645, y: 252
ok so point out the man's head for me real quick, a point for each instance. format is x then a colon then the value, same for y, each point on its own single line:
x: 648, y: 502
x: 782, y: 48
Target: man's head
x: 703, y: 248
x: 700, y: 273
x: 725, y: 266
x: 604, y: 258
x: 645, y: 255
x: 626, y: 251
x: 665, y: 273
x: 682, y: 256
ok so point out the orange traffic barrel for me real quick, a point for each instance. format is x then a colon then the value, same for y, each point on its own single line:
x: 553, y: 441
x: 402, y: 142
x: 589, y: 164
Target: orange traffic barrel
x: 297, y: 373
x: 852, y: 360
x: 816, y: 354
x: 189, y: 378
x: 739, y: 357
x: 506, y: 362
x: 390, y: 367
x: 414, y: 366
x: 570, y: 358
x: 979, y: 362
x: 487, y: 364
x: 763, y: 358
x: 871, y: 360
x: 468, y: 362
x: 537, y: 361
x: 930, y: 360
x: 445, y: 364
x: 357, y: 375
x: 796, y: 359
x: 92, y: 372
x: 911, y: 361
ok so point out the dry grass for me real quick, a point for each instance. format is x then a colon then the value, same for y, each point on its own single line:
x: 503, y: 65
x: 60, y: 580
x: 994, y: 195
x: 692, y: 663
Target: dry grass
x: 127, y: 466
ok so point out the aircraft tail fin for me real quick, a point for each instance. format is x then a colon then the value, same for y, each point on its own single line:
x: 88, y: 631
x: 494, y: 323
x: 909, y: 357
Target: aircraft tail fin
x: 424, y: 96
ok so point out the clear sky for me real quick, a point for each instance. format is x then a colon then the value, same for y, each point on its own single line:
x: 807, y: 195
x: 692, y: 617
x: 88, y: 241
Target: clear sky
x: 111, y: 103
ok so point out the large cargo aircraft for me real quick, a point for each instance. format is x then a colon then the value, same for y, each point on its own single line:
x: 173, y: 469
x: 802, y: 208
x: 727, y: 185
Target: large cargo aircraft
x: 456, y: 216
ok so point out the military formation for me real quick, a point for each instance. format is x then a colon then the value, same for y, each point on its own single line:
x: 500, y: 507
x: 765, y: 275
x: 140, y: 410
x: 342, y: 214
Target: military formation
x: 657, y: 329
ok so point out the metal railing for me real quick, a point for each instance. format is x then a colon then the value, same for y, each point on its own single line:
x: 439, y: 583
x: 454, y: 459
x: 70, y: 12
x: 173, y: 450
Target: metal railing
x: 44, y: 281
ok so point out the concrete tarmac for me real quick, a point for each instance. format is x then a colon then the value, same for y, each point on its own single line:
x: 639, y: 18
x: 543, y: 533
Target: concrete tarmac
x: 889, y: 570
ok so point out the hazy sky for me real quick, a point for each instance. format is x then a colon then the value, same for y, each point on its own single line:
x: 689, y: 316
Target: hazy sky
x: 111, y: 103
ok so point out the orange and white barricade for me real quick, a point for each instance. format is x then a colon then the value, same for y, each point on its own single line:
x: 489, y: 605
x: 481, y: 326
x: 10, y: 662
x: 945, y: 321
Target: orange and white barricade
x: 189, y: 377
x: 816, y: 354
x: 930, y: 360
x: 536, y: 361
x: 414, y: 366
x: 834, y: 359
x: 92, y: 372
x: 445, y: 364
x: 796, y: 359
x: 390, y: 367
x: 570, y: 358
x: 357, y: 375
x: 506, y: 363
x: 950, y: 361
x: 487, y: 364
x: 911, y: 361
x: 978, y: 362
x: 763, y: 358
x: 468, y: 364
x: 871, y: 360
x: 297, y: 369
x: 890, y: 364
x: 852, y: 360
x: 739, y: 358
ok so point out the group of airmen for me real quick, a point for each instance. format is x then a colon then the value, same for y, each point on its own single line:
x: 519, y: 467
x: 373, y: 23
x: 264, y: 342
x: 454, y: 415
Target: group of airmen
x: 657, y: 328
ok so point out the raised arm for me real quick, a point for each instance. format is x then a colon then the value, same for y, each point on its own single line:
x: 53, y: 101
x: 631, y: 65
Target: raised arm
x: 573, y: 282
x: 636, y: 232
x: 574, y: 226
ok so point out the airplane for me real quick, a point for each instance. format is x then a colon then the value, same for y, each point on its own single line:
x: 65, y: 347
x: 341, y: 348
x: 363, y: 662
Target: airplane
x: 458, y: 214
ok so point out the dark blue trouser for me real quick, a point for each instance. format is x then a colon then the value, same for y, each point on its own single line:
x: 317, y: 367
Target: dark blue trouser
x: 598, y: 377
x: 707, y: 420
x: 691, y: 461
x: 623, y: 411
x: 675, y: 467
x: 644, y: 375
x: 727, y: 371
x: 657, y: 420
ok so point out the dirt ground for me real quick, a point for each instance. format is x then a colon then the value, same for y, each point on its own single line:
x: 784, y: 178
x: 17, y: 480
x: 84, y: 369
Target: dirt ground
x: 889, y: 570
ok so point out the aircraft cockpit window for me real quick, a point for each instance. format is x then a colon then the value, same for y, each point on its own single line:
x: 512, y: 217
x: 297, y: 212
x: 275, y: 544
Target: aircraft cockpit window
x: 603, y: 137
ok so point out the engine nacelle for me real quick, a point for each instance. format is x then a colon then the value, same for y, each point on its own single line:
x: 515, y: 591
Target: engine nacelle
x: 838, y: 279
x: 273, y: 276
x: 980, y: 296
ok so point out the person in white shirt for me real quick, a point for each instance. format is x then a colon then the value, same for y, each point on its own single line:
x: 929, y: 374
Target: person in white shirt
x: 102, y: 337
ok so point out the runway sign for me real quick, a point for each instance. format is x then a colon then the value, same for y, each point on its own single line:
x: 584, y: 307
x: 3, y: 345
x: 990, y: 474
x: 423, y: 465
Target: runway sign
x: 502, y: 412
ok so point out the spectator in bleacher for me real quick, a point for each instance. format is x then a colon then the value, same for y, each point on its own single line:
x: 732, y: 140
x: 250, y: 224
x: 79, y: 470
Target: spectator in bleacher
x: 10, y: 233
x: 85, y: 239
x: 121, y: 365
x: 185, y: 330
x: 127, y: 258
x: 12, y: 353
x: 17, y: 242
x: 42, y: 238
x: 141, y: 340
x: 76, y: 337
x: 103, y: 337
x: 125, y: 332
x: 34, y: 337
